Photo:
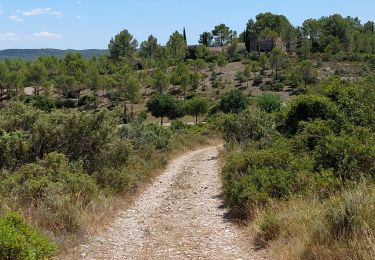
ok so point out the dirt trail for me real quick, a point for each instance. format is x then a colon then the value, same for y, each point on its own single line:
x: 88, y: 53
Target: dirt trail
x: 179, y: 216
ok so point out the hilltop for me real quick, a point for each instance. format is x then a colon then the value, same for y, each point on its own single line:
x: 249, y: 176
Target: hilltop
x: 33, y: 54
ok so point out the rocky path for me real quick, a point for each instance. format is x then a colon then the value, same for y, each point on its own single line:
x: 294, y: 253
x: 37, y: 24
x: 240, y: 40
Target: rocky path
x: 179, y: 216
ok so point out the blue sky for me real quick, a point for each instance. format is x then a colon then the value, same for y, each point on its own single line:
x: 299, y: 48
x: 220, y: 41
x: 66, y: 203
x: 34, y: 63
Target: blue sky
x: 83, y: 24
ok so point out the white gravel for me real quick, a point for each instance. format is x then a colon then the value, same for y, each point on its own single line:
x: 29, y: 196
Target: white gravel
x: 179, y: 216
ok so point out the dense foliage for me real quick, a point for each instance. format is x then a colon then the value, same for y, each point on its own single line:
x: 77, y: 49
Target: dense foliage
x: 321, y: 152
x: 20, y: 241
x: 58, y: 166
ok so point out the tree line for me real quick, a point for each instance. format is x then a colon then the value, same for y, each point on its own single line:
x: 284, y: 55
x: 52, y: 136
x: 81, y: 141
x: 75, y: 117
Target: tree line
x: 130, y: 67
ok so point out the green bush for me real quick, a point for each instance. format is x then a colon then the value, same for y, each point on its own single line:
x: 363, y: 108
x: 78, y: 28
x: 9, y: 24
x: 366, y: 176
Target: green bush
x: 269, y: 102
x: 348, y: 157
x: 14, y: 149
x: 20, y: 241
x: 249, y: 126
x: 240, y: 77
x: 65, y: 103
x: 355, y: 101
x: 86, y: 100
x: 178, y: 125
x: 217, y: 84
x: 310, y: 134
x: 233, y: 102
x: 141, y: 135
x: 253, y: 177
x: 114, y: 155
x: 18, y: 116
x: 273, y: 86
x: 257, y: 188
x: 307, y: 108
x: 113, y: 180
x: 41, y: 102
x: 78, y: 135
x: 257, y: 80
x: 33, y: 181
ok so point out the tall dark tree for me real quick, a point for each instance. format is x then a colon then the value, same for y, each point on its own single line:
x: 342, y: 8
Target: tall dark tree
x: 250, y: 35
x: 184, y: 34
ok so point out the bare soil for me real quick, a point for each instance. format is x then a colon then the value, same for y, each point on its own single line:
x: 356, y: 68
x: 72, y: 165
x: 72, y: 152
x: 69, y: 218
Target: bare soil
x: 180, y: 216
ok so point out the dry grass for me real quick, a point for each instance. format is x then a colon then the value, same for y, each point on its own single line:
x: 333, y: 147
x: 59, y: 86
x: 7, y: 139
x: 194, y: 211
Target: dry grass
x: 312, y: 229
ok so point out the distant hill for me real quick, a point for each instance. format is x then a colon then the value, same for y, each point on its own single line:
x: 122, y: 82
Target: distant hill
x: 32, y: 54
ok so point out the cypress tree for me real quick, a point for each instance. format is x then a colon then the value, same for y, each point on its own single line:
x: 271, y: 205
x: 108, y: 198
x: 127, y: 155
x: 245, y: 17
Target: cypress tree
x: 184, y: 33
x: 247, y: 40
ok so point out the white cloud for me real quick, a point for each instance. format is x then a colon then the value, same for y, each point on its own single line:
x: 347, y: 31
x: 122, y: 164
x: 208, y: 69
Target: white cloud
x: 48, y: 35
x: 8, y: 36
x: 15, y: 18
x: 40, y: 11
x: 79, y: 17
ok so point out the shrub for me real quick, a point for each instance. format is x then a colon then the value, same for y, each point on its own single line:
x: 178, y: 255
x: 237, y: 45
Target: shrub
x: 325, y: 184
x: 311, y: 133
x: 257, y: 80
x: 306, y: 108
x: 348, y: 157
x: 78, y: 135
x: 32, y: 181
x: 178, y: 125
x: 217, y: 84
x: 41, y: 102
x: 273, y: 86
x: 240, y: 77
x: 42, y: 184
x: 14, y: 149
x: 18, y: 116
x: 114, y: 155
x: 86, y: 100
x: 65, y: 103
x: 113, y: 180
x: 357, y: 102
x: 257, y: 187
x: 233, y: 102
x: 269, y: 102
x: 20, y: 241
x: 253, y: 177
x: 141, y: 135
x: 249, y: 126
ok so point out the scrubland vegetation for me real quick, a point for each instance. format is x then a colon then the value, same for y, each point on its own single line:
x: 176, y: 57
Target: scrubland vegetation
x: 295, y: 107
x: 62, y: 169
x: 303, y: 175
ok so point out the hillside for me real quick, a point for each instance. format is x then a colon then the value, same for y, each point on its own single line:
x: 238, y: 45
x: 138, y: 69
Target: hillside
x: 32, y: 54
